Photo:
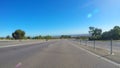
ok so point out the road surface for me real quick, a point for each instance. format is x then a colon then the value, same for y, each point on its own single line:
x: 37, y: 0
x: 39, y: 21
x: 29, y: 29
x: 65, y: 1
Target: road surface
x: 52, y: 54
x: 14, y: 42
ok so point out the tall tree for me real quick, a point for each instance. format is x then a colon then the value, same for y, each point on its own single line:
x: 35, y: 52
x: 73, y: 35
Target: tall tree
x: 106, y: 35
x: 95, y: 33
x: 115, y: 33
x: 112, y: 34
x: 18, y: 34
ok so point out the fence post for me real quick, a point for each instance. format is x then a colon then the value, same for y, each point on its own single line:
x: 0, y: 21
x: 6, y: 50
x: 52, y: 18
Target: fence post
x: 86, y: 42
x: 94, y: 44
x: 80, y: 42
x: 111, y: 47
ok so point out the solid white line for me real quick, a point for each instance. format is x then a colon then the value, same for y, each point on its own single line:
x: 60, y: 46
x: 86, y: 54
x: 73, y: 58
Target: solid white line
x: 96, y: 55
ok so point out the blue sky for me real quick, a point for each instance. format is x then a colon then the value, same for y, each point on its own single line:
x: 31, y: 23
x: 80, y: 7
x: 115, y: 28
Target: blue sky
x: 56, y: 17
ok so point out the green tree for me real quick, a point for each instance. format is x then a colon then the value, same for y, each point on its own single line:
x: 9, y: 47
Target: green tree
x: 8, y: 37
x: 47, y: 37
x: 95, y: 33
x: 112, y: 34
x: 28, y: 37
x: 84, y: 37
x: 106, y: 35
x: 65, y: 36
x: 18, y: 34
x: 115, y: 33
x: 38, y: 37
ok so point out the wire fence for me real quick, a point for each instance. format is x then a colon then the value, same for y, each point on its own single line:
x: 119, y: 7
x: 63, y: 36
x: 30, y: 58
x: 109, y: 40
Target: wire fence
x: 110, y: 45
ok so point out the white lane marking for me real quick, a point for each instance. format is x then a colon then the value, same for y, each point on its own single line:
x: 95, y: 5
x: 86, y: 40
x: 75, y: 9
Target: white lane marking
x: 110, y: 61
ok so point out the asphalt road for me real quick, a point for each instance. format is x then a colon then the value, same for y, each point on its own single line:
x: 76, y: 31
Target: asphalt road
x: 52, y: 54
x: 13, y: 42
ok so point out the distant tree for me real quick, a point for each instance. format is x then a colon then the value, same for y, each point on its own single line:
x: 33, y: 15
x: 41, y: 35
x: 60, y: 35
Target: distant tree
x: 28, y: 37
x: 18, y: 34
x: 95, y: 33
x: 84, y: 37
x: 2, y: 37
x: 65, y: 36
x: 112, y: 34
x: 8, y: 37
x: 47, y: 37
x: 77, y: 37
x: 38, y: 37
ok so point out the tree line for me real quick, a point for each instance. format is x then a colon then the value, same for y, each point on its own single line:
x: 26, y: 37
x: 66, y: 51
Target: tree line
x: 97, y: 34
x: 20, y: 34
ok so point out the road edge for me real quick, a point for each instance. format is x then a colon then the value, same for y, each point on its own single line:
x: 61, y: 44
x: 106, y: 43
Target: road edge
x: 103, y: 58
x: 19, y: 44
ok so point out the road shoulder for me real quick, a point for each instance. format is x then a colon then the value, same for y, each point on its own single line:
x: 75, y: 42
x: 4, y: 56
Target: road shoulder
x: 100, y: 53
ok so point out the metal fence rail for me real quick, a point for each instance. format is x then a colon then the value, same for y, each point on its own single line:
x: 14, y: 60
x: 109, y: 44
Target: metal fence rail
x: 110, y: 45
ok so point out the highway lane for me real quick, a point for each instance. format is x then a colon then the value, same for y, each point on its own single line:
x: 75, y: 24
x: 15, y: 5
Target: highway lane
x: 10, y: 56
x: 53, y: 54
x: 14, y: 42
x: 2, y: 43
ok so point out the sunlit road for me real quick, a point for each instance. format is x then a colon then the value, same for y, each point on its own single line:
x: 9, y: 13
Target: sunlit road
x: 53, y: 54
